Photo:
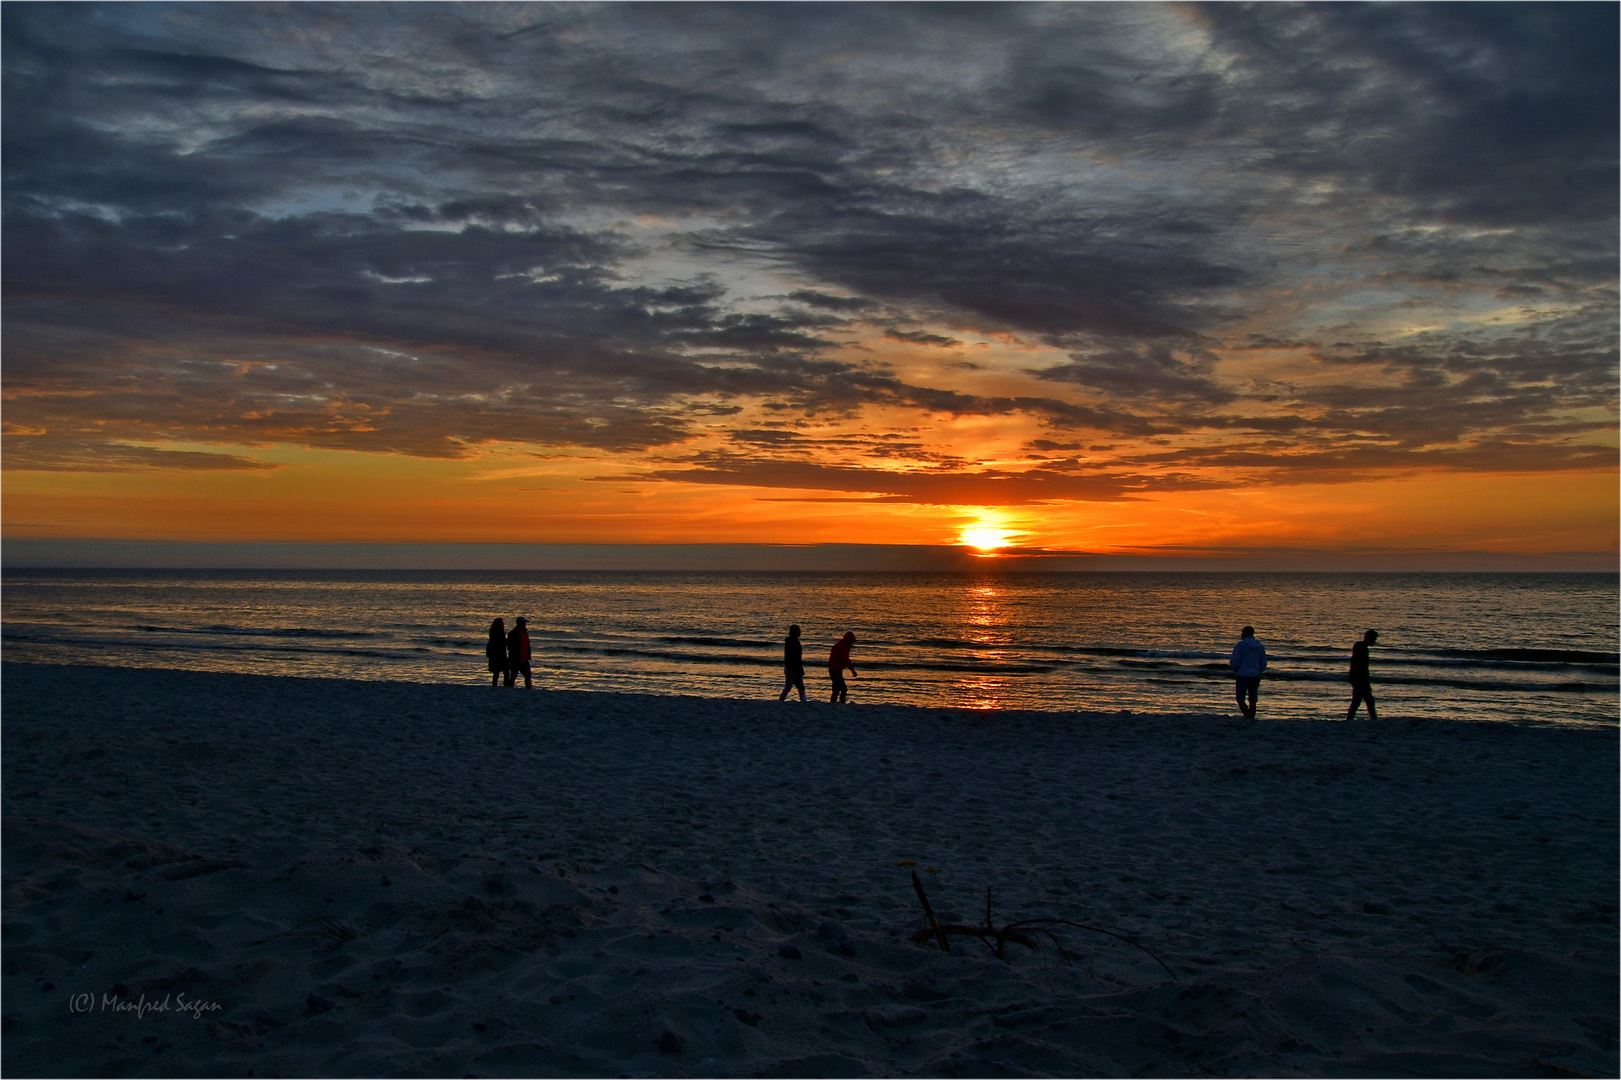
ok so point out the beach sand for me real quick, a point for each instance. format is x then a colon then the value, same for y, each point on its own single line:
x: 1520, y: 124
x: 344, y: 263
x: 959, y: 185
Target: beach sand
x: 320, y: 877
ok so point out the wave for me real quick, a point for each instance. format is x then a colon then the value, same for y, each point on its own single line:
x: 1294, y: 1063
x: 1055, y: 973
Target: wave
x: 1386, y: 679
x: 255, y: 631
x: 219, y: 646
x: 1595, y: 667
x: 756, y: 660
x: 1144, y: 651
x: 1553, y: 656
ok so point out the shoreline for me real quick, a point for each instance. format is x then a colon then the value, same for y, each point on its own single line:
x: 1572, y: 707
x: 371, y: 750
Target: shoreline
x: 769, y: 685
x: 1334, y: 899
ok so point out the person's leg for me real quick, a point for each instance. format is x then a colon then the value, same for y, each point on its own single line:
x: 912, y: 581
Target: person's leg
x: 787, y: 685
x: 1367, y: 694
x: 799, y: 684
x: 528, y: 684
x: 1252, y: 690
x: 1358, y: 692
x: 838, y: 687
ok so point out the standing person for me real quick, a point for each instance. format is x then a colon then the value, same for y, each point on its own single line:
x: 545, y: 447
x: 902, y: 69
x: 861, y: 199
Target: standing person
x: 1361, y: 681
x: 496, y: 651
x: 518, y: 654
x: 793, y: 665
x: 1249, y: 660
x: 837, y: 661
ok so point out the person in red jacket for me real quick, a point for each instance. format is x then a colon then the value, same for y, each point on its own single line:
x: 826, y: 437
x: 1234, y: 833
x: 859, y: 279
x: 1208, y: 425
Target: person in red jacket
x: 518, y: 654
x: 837, y: 661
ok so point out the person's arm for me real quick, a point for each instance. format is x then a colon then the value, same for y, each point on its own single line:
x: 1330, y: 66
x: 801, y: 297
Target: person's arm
x: 1262, y: 650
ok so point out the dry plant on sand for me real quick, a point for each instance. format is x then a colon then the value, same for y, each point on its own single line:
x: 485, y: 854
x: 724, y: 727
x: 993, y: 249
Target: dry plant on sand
x: 335, y: 932
x: 1022, y: 932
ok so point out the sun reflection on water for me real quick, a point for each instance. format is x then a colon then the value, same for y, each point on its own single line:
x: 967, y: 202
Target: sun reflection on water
x: 986, y: 623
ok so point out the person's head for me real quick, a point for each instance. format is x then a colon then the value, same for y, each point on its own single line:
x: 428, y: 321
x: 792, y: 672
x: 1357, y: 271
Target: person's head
x: 497, y: 627
x: 849, y: 637
x: 521, y: 621
x: 1371, y: 636
x: 793, y: 631
x: 1248, y: 631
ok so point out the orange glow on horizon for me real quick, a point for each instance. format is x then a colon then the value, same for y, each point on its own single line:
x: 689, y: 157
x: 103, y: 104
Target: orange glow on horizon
x: 330, y: 496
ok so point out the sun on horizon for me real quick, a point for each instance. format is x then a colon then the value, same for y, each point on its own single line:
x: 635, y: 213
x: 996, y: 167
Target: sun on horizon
x: 985, y: 539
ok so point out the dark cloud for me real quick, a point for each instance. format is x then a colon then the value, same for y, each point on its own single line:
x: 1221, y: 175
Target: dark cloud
x: 50, y: 454
x: 423, y: 229
x: 1497, y: 114
x: 1151, y: 371
x: 917, y: 337
x: 991, y: 487
x: 831, y: 303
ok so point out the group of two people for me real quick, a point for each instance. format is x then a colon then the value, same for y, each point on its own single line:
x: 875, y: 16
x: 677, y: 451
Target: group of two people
x: 793, y: 666
x: 509, y: 653
x: 1249, y: 660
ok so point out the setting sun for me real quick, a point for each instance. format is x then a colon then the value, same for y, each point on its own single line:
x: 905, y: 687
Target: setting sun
x: 985, y: 537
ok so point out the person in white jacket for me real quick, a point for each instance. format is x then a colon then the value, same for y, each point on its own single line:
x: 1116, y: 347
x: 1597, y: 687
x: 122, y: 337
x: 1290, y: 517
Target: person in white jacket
x: 1249, y: 660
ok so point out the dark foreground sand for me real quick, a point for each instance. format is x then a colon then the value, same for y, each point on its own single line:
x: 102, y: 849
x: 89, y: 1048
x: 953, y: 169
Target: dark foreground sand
x: 367, y: 879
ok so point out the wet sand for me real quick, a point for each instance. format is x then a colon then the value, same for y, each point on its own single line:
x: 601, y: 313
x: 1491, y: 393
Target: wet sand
x: 322, y: 877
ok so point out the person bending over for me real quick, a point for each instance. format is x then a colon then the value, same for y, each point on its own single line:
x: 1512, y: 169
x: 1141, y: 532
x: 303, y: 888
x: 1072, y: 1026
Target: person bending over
x: 837, y: 661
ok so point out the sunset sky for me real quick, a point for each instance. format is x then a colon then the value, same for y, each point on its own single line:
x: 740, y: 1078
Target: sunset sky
x: 1139, y: 279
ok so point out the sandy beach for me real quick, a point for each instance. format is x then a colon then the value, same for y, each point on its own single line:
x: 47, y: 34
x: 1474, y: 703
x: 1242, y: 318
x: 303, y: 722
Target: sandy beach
x: 237, y: 875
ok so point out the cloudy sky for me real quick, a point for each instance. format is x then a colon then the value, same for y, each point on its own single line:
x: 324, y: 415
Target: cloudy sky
x: 1096, y: 277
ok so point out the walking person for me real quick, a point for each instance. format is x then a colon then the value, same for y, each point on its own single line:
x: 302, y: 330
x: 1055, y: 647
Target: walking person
x: 1361, y: 681
x: 496, y: 651
x: 1249, y: 660
x: 837, y: 661
x: 518, y: 654
x: 793, y: 665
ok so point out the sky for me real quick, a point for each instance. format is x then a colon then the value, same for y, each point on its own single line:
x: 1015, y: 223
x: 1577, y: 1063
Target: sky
x: 1142, y: 280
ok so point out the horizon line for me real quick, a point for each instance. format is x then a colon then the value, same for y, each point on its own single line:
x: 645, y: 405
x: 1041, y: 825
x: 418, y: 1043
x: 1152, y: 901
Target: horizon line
x: 95, y: 553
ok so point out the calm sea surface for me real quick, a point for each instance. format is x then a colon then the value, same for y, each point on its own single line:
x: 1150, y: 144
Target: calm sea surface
x: 1488, y: 646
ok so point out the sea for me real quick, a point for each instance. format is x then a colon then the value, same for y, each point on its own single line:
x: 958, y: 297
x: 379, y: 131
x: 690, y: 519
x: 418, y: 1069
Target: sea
x: 1480, y: 646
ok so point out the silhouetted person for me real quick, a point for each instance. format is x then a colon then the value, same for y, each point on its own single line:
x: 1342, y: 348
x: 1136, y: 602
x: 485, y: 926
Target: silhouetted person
x: 837, y: 661
x: 1249, y: 660
x: 1361, y: 681
x: 793, y: 665
x: 496, y: 651
x: 518, y: 653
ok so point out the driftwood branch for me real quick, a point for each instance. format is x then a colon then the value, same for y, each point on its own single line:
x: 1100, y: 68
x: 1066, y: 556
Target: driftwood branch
x: 934, y: 923
x: 996, y: 938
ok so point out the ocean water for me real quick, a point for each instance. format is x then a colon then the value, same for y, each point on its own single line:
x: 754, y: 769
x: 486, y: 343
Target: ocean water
x: 1539, y: 647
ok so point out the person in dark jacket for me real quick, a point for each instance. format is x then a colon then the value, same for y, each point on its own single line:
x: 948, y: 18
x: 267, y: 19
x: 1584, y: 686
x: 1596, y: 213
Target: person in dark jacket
x: 496, y: 651
x: 518, y: 654
x: 1361, y: 680
x: 837, y: 661
x: 793, y: 665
